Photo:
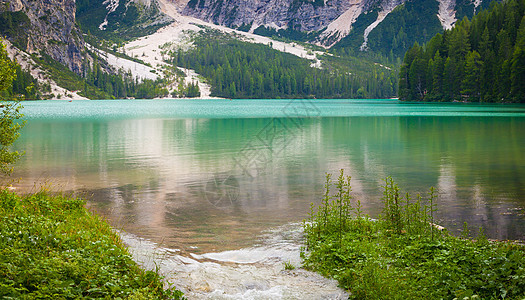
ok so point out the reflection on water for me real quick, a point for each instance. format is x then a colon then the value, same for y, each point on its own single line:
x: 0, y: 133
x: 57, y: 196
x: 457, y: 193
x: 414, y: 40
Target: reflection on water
x: 215, y: 184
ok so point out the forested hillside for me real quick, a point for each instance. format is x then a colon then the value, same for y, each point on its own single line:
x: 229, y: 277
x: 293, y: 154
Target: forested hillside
x: 120, y: 20
x: 237, y: 69
x: 409, y: 22
x: 479, y: 60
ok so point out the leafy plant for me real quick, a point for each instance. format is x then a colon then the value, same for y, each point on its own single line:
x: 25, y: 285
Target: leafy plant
x: 9, y: 132
x: 10, y: 114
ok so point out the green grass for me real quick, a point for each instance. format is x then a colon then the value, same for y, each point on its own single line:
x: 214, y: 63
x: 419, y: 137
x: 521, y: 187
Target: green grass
x: 402, y: 256
x: 288, y: 266
x: 52, y: 247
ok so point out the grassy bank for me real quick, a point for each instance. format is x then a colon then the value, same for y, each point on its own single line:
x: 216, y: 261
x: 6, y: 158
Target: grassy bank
x: 401, y: 255
x: 52, y: 247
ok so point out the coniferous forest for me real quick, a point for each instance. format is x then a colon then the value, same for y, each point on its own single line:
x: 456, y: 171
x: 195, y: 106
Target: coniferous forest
x: 237, y: 69
x: 480, y: 60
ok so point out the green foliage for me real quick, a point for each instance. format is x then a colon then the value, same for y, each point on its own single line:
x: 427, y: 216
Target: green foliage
x: 478, y: 60
x: 9, y: 132
x: 413, y: 21
x: 117, y: 86
x: 187, y: 91
x: 237, y: 69
x: 67, y: 78
x: 52, y: 247
x: 110, y: 47
x: 25, y: 85
x: 333, y: 216
x: 99, y: 84
x: 10, y: 114
x: 288, y: 266
x: 465, y: 8
x: 355, y: 38
x: 14, y: 26
x: 370, y: 79
x: 403, y: 255
x: 6, y: 71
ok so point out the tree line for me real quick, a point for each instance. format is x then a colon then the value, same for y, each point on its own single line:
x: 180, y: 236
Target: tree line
x: 237, y: 69
x: 480, y: 60
x: 120, y: 85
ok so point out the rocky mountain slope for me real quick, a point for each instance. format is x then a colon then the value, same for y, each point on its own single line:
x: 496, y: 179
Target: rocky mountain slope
x: 329, y: 20
x: 53, y: 28
x: 382, y: 26
x: 328, y: 23
x: 56, y: 30
x: 44, y: 27
x: 120, y: 19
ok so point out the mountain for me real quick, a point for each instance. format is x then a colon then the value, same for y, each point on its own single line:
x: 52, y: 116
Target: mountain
x: 51, y: 28
x: 45, y: 28
x: 105, y: 42
x: 388, y: 27
x: 49, y: 39
x: 356, y: 24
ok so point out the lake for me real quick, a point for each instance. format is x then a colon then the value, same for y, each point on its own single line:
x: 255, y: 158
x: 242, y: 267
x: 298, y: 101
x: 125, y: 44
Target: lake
x: 211, y: 175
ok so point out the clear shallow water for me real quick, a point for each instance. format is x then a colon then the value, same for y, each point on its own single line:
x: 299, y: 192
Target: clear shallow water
x: 195, y: 183
x: 256, y: 272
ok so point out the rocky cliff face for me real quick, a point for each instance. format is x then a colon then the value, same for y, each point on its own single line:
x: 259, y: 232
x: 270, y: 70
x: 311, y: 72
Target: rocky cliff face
x: 48, y: 26
x: 301, y: 15
x: 51, y: 29
x: 333, y: 20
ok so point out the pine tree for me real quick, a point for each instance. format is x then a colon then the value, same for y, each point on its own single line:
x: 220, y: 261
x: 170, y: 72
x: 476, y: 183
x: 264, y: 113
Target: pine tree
x: 417, y: 76
x: 437, y: 77
x: 471, y: 85
x: 517, y: 73
x: 482, y: 60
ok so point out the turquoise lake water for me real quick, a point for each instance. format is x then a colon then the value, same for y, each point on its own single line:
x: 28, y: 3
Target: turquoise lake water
x: 212, y: 174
